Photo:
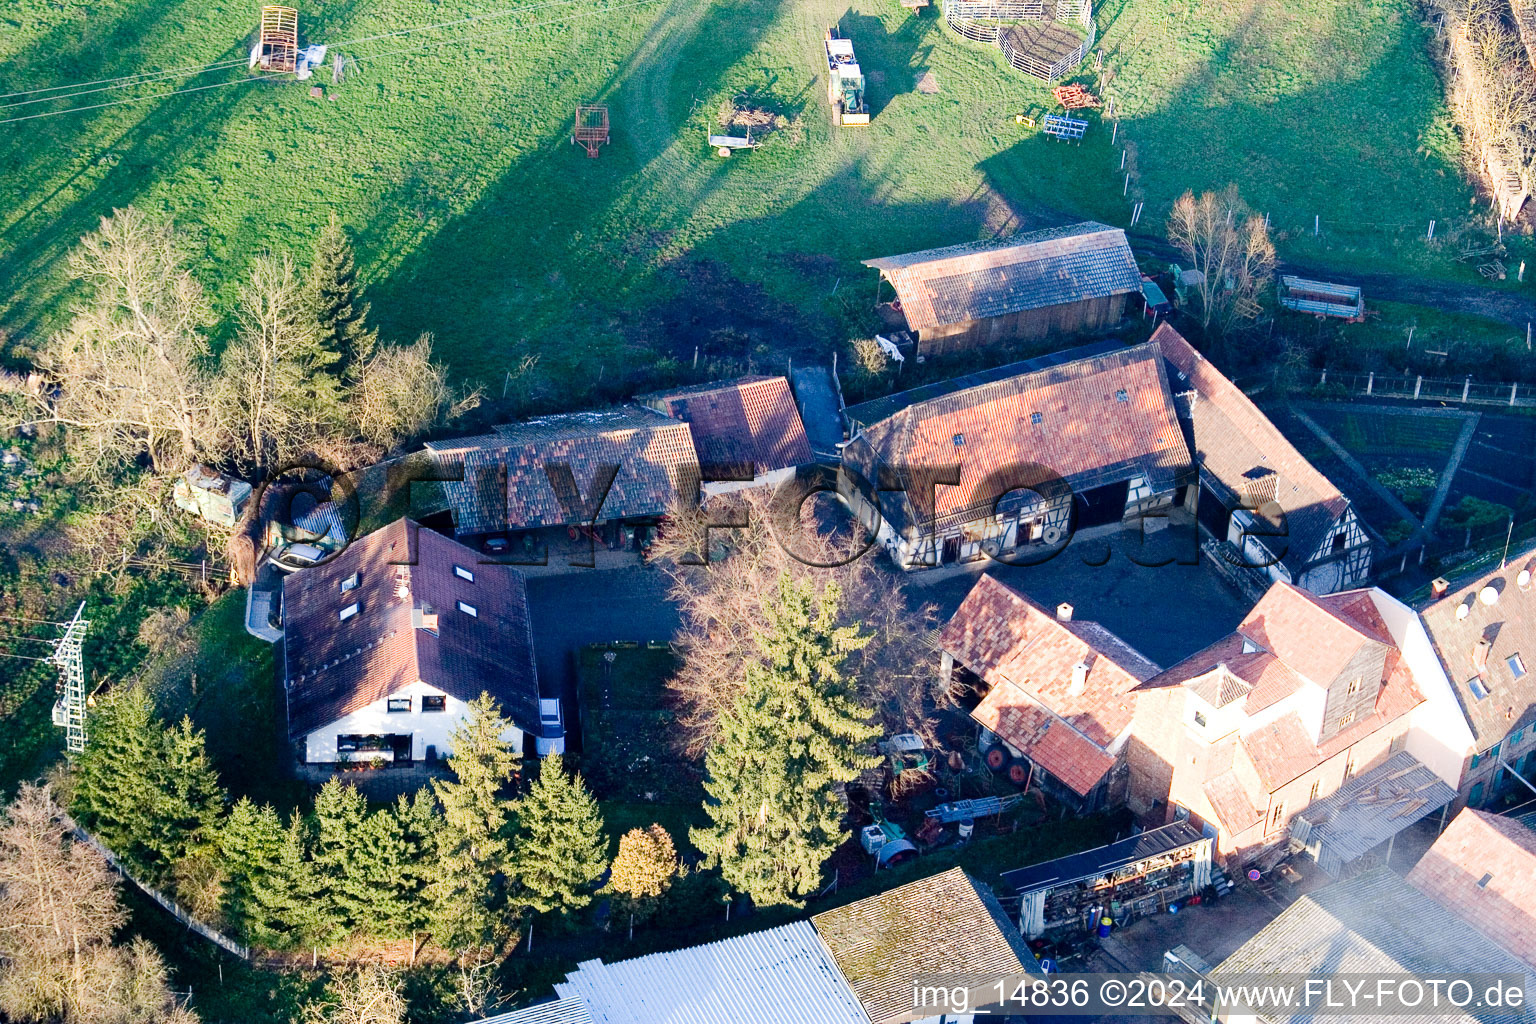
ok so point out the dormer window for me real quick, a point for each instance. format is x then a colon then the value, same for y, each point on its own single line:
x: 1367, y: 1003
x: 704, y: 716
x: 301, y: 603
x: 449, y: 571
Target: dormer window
x: 1479, y: 691
x: 350, y: 583
x: 347, y: 612
x: 469, y: 609
x: 1516, y: 665
x: 463, y: 573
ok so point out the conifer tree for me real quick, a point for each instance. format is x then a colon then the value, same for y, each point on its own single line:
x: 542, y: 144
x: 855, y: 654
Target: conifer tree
x: 561, y: 850
x: 791, y: 740
x: 417, y: 822
x: 292, y: 914
x: 149, y: 793
x: 338, y: 856
x: 333, y: 295
x: 464, y: 898
x: 250, y: 841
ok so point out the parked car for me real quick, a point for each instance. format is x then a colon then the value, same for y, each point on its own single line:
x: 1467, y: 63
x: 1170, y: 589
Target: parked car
x: 551, y: 737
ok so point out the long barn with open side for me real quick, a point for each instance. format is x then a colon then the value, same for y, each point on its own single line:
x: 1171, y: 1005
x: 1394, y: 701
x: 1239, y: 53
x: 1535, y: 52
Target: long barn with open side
x: 1063, y: 280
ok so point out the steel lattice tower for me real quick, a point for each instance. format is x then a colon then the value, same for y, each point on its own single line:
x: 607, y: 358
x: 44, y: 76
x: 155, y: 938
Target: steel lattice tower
x: 69, y: 655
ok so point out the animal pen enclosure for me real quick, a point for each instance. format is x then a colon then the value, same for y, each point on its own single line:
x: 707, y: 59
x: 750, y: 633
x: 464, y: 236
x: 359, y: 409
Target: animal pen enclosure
x: 591, y: 129
x: 1042, y: 39
x: 277, y: 48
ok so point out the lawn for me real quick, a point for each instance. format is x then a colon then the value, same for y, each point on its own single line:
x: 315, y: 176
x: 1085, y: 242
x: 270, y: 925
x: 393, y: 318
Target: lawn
x: 446, y: 151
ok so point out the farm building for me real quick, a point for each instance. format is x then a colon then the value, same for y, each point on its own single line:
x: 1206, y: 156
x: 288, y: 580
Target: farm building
x: 943, y: 924
x: 559, y: 1011
x: 1129, y: 879
x: 1483, y: 868
x: 1057, y: 693
x: 1059, y: 280
x: 387, y: 643
x: 1019, y: 463
x: 614, y: 471
x: 1372, y: 924
x: 1306, y: 694
x: 1367, y: 813
x: 1271, y: 510
x: 746, y: 431
x: 1484, y: 639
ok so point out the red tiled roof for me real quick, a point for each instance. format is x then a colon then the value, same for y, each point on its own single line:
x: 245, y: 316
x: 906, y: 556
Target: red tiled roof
x: 1314, y: 638
x: 334, y: 666
x: 1045, y: 739
x: 1281, y: 751
x: 750, y: 423
x: 1478, y: 844
x: 1003, y: 636
x: 1234, y: 805
x: 1087, y: 436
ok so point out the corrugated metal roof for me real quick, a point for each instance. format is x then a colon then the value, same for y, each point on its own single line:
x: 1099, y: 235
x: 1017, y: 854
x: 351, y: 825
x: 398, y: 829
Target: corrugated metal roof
x: 1104, y: 859
x: 1375, y: 923
x: 561, y: 1011
x: 1370, y: 809
x: 782, y: 975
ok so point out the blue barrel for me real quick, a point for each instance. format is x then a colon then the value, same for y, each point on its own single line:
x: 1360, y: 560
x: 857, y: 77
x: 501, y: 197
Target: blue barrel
x: 1105, y: 924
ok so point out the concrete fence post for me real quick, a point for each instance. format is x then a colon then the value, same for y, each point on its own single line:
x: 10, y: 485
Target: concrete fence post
x: 1466, y: 388
x: 1513, y: 388
x: 1325, y: 377
x: 1417, y: 385
x: 1370, y: 382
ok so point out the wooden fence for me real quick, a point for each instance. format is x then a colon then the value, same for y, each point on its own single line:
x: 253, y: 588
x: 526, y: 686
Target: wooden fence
x: 214, y: 936
x: 1463, y: 391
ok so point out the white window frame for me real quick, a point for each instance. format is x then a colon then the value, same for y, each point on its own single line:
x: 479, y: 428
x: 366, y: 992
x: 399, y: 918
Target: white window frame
x: 349, y: 611
x: 469, y: 609
x: 463, y: 573
x: 351, y: 582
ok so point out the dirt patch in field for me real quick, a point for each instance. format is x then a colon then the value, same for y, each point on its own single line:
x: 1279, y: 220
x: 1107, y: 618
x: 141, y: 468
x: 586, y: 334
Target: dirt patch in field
x: 722, y: 315
x: 927, y: 83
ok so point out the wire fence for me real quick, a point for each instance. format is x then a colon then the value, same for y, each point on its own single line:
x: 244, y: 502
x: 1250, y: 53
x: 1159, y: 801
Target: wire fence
x: 1463, y: 390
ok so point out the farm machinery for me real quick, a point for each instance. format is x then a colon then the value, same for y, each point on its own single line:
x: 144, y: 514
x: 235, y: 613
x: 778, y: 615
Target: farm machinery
x: 845, y: 82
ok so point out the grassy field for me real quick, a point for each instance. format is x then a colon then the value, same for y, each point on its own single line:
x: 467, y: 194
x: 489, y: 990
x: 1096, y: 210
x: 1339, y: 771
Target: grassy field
x: 479, y: 222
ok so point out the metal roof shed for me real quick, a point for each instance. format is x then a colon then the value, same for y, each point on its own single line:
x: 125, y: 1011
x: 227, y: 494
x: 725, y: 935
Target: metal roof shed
x: 1369, y: 810
x: 1036, y: 882
x: 560, y: 1011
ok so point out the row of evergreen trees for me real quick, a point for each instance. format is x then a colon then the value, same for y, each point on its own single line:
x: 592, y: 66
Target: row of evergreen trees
x: 461, y: 860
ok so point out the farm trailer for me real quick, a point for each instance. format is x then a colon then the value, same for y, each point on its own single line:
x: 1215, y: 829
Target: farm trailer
x: 1322, y: 298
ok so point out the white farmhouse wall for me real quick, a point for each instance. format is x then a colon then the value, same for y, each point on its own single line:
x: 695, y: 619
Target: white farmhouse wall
x: 426, y: 728
x: 1438, y: 733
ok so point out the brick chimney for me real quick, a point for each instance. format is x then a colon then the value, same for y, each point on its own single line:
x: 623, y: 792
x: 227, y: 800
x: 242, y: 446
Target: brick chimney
x: 1064, y: 612
x: 1480, y: 655
x: 1439, y: 586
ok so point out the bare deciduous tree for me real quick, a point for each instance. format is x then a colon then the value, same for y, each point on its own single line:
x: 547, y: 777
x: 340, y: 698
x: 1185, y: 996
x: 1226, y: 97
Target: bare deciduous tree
x: 1230, y: 246
x: 723, y: 605
x: 400, y: 392
x: 367, y: 995
x: 58, y: 911
x: 276, y: 398
x: 129, y: 374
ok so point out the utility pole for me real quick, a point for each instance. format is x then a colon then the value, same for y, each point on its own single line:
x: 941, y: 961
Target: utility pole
x: 69, y: 657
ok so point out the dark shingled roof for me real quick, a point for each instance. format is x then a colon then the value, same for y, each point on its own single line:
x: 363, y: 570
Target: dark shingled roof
x: 335, y: 666
x: 1509, y: 624
x: 741, y: 428
x: 944, y: 924
x: 1246, y: 457
x: 506, y: 485
x: 995, y: 277
x: 1103, y: 859
x: 1101, y: 420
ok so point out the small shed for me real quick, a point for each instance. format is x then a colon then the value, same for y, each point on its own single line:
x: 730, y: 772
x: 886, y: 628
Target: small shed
x: 1130, y: 878
x: 1068, y: 279
x: 1369, y: 810
x: 210, y: 495
x: 1322, y: 298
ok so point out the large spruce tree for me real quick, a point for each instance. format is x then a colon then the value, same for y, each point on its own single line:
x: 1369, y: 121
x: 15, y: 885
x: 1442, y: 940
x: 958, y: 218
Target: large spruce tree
x: 465, y: 898
x: 791, y: 740
x: 149, y: 792
x: 338, y: 311
x: 274, y: 891
x: 561, y: 849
